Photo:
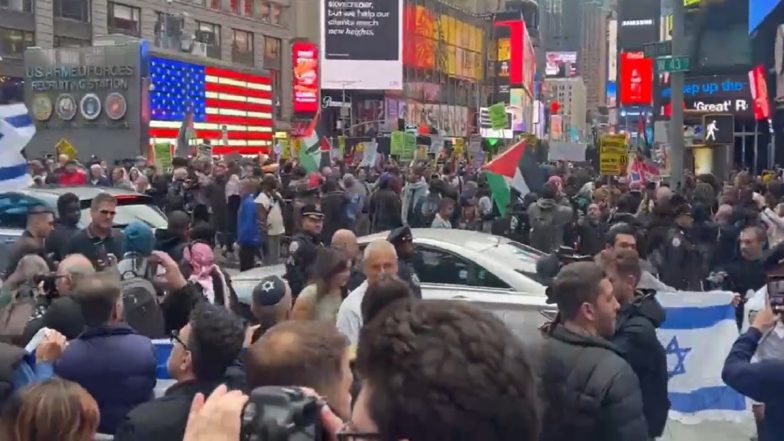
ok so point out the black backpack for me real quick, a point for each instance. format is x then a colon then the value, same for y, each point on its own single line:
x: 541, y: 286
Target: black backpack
x: 140, y: 298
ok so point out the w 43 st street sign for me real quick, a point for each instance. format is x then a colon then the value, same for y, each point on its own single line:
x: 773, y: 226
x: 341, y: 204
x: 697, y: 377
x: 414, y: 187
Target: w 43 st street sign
x: 672, y: 64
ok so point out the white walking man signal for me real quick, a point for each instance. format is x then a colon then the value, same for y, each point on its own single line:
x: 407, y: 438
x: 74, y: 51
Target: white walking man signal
x: 711, y: 129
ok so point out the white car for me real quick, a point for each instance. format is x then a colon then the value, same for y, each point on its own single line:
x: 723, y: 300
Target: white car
x: 493, y: 272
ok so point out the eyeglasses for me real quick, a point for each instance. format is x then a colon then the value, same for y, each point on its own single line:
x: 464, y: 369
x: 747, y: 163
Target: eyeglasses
x: 174, y: 336
x: 350, y: 433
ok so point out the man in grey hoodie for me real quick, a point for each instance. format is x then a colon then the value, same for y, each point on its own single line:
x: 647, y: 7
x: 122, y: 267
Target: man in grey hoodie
x: 548, y: 220
x: 414, y: 192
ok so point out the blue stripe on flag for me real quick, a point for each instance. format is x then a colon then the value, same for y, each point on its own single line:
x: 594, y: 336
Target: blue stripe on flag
x: 13, y: 172
x: 707, y: 398
x: 162, y: 350
x: 19, y: 121
x: 697, y: 317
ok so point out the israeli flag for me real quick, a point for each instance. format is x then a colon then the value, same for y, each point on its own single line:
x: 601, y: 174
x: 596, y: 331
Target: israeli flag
x: 697, y: 335
x: 16, y: 130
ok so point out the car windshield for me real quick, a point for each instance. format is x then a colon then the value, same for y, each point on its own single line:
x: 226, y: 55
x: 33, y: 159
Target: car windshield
x: 132, y: 210
x: 522, y: 257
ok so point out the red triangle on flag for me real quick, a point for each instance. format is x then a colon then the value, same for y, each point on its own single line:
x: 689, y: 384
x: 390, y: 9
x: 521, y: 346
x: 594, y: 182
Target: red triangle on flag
x: 325, y: 145
x: 312, y: 125
x: 506, y: 163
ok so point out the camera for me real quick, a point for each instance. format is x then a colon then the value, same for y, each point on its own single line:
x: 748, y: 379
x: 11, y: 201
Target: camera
x: 276, y: 413
x: 49, y: 285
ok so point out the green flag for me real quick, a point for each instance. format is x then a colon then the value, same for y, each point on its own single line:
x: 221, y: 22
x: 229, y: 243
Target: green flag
x: 497, y: 115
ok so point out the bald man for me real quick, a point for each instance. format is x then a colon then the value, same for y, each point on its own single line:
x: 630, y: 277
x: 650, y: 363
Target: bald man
x: 379, y: 258
x: 63, y: 313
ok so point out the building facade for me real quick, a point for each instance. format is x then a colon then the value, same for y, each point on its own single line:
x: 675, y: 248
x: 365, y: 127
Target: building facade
x: 251, y: 34
x: 571, y: 94
x: 592, y: 59
x: 561, y: 25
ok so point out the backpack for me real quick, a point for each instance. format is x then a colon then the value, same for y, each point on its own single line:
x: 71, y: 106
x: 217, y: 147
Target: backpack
x: 543, y: 231
x: 140, y: 298
x: 15, y: 315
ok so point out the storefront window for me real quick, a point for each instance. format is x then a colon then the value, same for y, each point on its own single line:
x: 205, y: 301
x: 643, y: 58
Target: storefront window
x: 124, y: 19
x: 13, y: 42
x: 209, y: 33
x: 17, y: 5
x: 271, y: 53
x: 70, y: 42
x: 242, y: 47
x: 78, y: 10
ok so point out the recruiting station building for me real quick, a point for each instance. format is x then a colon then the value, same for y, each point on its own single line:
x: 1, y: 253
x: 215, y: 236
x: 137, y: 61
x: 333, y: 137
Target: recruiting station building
x: 113, y: 101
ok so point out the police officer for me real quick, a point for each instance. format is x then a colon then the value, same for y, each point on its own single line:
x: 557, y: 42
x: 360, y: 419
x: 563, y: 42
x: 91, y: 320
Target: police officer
x: 304, y: 247
x: 403, y: 241
x: 680, y: 264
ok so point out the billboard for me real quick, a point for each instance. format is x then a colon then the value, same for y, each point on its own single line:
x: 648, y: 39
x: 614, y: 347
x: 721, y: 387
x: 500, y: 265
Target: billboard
x: 305, y: 78
x: 759, y: 10
x: 514, y: 44
x: 638, y: 23
x: 636, y: 79
x: 612, y: 94
x: 560, y: 64
x: 759, y: 92
x: 702, y: 94
x: 362, y: 47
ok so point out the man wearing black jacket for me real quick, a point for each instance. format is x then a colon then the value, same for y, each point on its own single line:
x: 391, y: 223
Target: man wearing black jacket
x: 174, y: 239
x: 69, y: 211
x: 202, y: 353
x: 635, y: 336
x: 591, y: 393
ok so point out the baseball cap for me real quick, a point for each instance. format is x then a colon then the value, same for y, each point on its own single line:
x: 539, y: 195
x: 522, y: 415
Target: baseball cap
x: 312, y: 210
x: 269, y: 291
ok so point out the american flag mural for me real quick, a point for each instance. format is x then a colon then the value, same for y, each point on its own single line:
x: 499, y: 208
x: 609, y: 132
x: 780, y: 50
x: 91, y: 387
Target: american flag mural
x: 217, y: 97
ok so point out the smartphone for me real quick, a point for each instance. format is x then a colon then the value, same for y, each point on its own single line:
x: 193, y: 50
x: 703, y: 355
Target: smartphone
x: 775, y: 287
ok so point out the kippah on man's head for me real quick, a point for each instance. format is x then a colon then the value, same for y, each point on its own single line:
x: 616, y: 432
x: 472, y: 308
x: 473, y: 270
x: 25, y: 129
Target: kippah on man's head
x: 270, y: 291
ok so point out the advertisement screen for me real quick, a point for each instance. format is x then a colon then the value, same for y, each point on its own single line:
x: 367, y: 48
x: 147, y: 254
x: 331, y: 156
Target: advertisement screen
x: 305, y: 78
x: 362, y: 46
x: 707, y: 94
x: 515, y: 31
x: 560, y: 64
x: 636, y: 79
x: 758, y: 10
x: 638, y: 23
x: 611, y: 94
x: 759, y: 93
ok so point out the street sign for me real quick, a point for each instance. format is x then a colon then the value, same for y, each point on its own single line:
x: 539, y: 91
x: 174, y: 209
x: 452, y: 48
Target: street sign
x: 672, y: 64
x: 658, y: 49
x: 719, y: 129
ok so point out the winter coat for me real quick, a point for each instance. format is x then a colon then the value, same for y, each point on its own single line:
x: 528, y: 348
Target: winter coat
x: 635, y: 337
x: 115, y: 365
x: 591, y: 393
x: 548, y: 220
x: 334, y: 204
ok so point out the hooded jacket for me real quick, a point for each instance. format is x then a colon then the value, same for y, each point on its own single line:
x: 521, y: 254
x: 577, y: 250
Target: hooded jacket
x: 170, y: 243
x: 548, y: 220
x: 635, y: 338
x: 413, y: 194
x: 591, y: 393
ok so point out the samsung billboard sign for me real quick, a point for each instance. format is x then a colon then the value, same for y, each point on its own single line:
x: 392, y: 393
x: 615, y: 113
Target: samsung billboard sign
x: 638, y: 23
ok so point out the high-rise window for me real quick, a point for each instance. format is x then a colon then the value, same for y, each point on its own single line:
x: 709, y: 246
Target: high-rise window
x: 78, y: 10
x: 242, y: 47
x: 70, y: 42
x: 17, y: 5
x: 272, y: 53
x: 13, y: 42
x: 124, y: 19
x: 210, y: 34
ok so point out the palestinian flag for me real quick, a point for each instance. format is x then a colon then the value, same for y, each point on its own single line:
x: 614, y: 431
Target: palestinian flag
x: 315, y: 148
x: 510, y: 170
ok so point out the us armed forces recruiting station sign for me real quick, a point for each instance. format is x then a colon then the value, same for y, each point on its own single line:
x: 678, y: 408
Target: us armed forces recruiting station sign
x: 362, y: 44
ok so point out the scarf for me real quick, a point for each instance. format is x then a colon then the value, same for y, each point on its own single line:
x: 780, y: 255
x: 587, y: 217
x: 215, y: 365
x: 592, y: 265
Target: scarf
x: 202, y: 262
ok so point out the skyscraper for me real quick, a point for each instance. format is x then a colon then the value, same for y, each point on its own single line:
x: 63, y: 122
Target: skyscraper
x: 592, y: 59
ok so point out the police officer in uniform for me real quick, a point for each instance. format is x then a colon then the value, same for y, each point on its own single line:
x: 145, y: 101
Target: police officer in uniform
x: 304, y: 247
x: 680, y: 265
x: 403, y: 241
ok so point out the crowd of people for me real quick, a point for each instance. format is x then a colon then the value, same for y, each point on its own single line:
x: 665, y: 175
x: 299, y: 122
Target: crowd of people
x: 81, y: 304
